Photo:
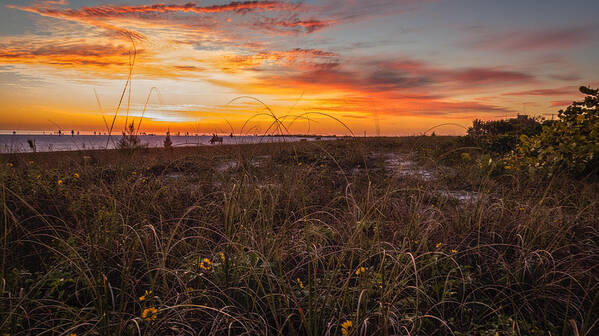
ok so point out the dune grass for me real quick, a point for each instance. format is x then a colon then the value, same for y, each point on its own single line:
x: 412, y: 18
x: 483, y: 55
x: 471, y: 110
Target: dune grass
x: 307, y: 238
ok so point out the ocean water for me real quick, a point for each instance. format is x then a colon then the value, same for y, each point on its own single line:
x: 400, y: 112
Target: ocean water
x: 18, y: 143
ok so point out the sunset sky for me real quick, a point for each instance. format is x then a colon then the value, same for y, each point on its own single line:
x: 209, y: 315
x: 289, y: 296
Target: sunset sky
x: 389, y: 67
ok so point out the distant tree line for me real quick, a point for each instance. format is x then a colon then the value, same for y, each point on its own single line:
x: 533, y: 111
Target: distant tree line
x: 502, y: 136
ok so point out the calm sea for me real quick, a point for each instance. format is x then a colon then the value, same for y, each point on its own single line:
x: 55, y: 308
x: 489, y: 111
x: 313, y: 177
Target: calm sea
x: 17, y: 143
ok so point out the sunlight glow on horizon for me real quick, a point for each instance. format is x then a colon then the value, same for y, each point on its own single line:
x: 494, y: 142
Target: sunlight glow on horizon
x: 388, y: 68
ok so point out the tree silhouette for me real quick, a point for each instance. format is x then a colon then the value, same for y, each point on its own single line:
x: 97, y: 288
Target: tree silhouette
x: 167, y: 141
x: 130, y: 140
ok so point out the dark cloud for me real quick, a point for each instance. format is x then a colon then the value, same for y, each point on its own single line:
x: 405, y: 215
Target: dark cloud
x: 488, y: 75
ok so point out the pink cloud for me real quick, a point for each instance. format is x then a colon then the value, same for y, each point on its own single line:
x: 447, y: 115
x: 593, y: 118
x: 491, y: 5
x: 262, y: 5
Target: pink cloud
x: 562, y: 91
x: 111, y: 17
x: 560, y: 103
x: 107, y: 11
x: 293, y: 25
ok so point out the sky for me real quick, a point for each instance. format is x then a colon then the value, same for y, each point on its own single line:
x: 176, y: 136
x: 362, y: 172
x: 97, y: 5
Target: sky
x: 376, y: 67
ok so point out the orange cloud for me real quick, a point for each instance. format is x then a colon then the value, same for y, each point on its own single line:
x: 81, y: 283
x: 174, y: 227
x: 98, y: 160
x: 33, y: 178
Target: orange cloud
x: 244, y: 6
x: 56, y: 2
x: 148, y: 14
x: 566, y: 90
x: 560, y: 103
x: 404, y: 87
x: 229, y: 49
x: 72, y: 15
x: 298, y: 58
x: 119, y: 11
x: 80, y: 54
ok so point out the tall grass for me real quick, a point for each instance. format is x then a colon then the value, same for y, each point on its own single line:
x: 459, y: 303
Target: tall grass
x: 300, y: 238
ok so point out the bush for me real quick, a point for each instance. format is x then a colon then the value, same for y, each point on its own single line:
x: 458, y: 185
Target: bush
x: 501, y: 136
x: 130, y: 140
x: 167, y: 141
x: 571, y: 144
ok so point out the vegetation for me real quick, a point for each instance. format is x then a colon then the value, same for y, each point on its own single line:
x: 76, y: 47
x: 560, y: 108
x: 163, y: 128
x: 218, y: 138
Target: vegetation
x: 310, y: 238
x: 130, y: 139
x: 501, y: 136
x: 571, y: 144
x: 168, y: 143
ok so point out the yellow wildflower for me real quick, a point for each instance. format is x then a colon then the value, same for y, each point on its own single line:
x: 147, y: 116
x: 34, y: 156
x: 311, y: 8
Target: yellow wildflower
x: 76, y: 175
x: 360, y: 270
x: 205, y: 264
x: 149, y: 314
x: 347, y: 327
x: 143, y: 297
x: 453, y: 251
x: 222, y: 257
x: 59, y: 182
x: 299, y: 164
x: 134, y: 173
x: 300, y: 283
x: 438, y: 245
x: 9, y: 164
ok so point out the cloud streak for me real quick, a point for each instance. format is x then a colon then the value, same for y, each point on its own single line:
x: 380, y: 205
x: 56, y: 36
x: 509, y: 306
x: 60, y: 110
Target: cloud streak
x: 549, y: 39
x: 66, y: 54
x: 325, y: 51
x: 404, y: 87
x: 297, y: 58
x: 293, y: 25
x: 566, y: 90
x: 112, y: 17
x: 560, y: 103
x: 119, y: 11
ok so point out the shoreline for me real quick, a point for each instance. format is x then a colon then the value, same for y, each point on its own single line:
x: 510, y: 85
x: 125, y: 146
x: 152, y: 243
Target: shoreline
x: 188, y: 146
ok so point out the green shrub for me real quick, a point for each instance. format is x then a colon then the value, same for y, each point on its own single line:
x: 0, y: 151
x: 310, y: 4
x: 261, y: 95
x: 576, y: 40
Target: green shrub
x: 501, y: 136
x: 570, y: 144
